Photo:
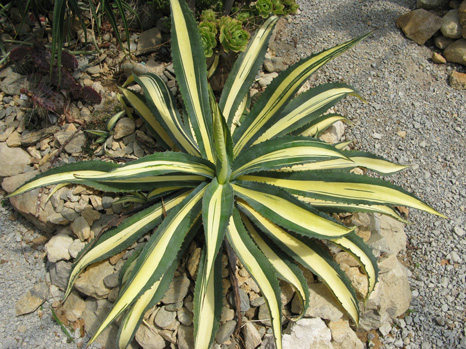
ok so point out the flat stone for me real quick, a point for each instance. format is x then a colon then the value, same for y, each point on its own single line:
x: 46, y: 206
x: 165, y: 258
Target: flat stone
x: 149, y: 41
x: 16, y: 158
x: 177, y: 290
x: 149, y: 338
x: 14, y: 140
x: 451, y: 26
x: 431, y: 4
x: 307, y: 333
x: 81, y: 228
x: 185, y: 316
x: 419, y: 25
x: 387, y: 235
x: 32, y: 299
x: 12, y: 84
x: 225, y: 331
x: 74, y: 306
x: 438, y: 58
x: 252, y: 337
x: 165, y: 319
x: 185, y: 337
x: 59, y: 274
x: 193, y: 262
x: 458, y: 80
x: 10, y: 184
x: 91, y: 281
x: 76, y: 246
x: 112, y: 280
x: 343, y: 336
x: 456, y: 52
x: 32, y: 138
x: 124, y: 127
x: 57, y: 248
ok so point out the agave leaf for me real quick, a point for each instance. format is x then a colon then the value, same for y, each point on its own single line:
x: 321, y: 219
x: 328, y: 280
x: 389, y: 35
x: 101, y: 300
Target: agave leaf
x: 260, y: 269
x: 122, y: 236
x: 208, y: 301
x: 283, y: 152
x: 374, y: 163
x: 158, y: 254
x: 280, y: 92
x: 287, y: 211
x: 355, y: 246
x: 154, y: 165
x: 320, y: 124
x: 164, y: 190
x: 113, y: 120
x: 335, y: 207
x: 239, y: 114
x: 191, y: 73
x: 244, y: 71
x: 286, y: 269
x: 305, y: 108
x: 163, y: 107
x: 342, y: 187
x: 312, y: 257
x: 156, y: 129
x: 150, y: 298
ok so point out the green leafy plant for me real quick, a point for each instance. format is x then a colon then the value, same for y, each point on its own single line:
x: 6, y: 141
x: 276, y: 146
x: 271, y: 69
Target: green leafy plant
x: 254, y: 175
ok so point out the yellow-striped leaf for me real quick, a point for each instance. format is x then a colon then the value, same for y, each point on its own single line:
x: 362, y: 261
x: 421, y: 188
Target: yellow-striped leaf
x: 287, y: 211
x: 311, y: 256
x: 244, y: 71
x: 158, y: 254
x: 191, y: 74
x: 320, y: 124
x: 260, y: 269
x: 280, y: 92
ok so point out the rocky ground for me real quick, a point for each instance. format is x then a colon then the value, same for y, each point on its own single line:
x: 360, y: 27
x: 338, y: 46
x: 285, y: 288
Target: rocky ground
x: 411, y: 116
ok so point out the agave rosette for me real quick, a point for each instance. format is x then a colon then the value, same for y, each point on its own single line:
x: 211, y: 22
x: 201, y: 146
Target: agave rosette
x: 259, y: 179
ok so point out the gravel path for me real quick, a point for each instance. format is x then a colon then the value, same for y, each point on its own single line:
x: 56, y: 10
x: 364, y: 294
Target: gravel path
x: 406, y: 95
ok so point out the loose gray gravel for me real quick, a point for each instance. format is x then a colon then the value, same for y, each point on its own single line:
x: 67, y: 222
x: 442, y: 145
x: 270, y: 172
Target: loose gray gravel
x: 405, y: 91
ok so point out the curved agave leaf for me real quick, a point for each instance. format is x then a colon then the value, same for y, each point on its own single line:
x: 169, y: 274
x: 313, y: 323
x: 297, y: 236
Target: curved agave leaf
x: 158, y: 254
x: 335, y: 207
x: 260, y: 269
x: 163, y: 107
x: 285, y: 268
x: 311, y: 256
x: 374, y: 163
x: 355, y: 246
x: 239, y: 114
x: 208, y: 301
x: 279, y: 93
x: 244, y: 71
x: 320, y: 124
x: 283, y: 152
x: 151, y: 297
x: 342, y: 187
x: 287, y: 211
x: 154, y: 165
x: 66, y: 174
x: 156, y: 129
x: 191, y: 73
x: 121, y: 237
x: 304, y: 109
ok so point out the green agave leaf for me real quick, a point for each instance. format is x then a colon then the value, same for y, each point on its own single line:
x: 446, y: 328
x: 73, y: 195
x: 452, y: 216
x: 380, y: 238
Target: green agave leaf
x: 283, y: 152
x: 355, y: 246
x: 280, y: 92
x: 158, y: 254
x: 151, y: 297
x: 260, y: 269
x: 153, y: 165
x: 342, y: 187
x: 191, y: 73
x: 208, y: 301
x: 165, y: 190
x: 124, y: 235
x: 239, y: 114
x: 305, y: 108
x: 65, y: 174
x: 313, y: 257
x: 217, y: 207
x: 320, y: 124
x: 287, y: 211
x: 244, y: 71
x: 156, y: 129
x: 113, y: 120
x: 336, y: 207
x: 286, y: 269
x: 373, y: 162
x: 163, y: 107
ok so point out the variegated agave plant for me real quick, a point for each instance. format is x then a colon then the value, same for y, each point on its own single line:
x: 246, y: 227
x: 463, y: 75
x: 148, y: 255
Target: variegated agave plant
x: 256, y: 176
